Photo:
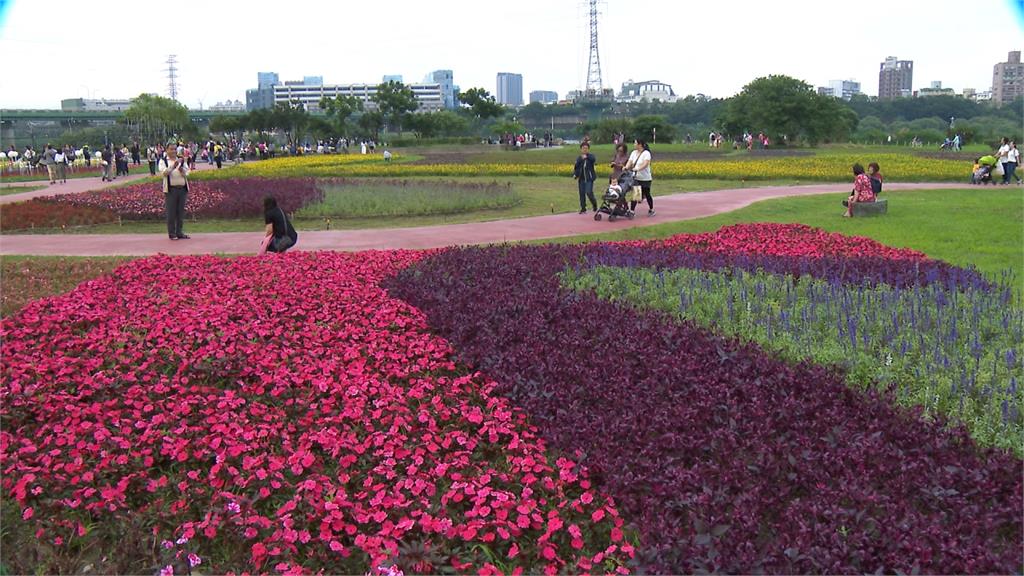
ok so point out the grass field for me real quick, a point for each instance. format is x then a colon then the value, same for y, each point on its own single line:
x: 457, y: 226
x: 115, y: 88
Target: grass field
x: 19, y: 189
x: 975, y: 226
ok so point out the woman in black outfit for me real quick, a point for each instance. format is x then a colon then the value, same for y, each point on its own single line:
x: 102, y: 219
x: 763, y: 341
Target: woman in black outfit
x: 279, y: 231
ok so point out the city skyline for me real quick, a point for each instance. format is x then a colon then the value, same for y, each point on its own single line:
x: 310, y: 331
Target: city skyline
x: 689, y: 46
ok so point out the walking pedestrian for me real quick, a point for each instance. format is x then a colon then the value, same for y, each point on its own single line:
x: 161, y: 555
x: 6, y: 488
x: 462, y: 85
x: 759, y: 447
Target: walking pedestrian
x: 60, y: 165
x: 1010, y: 166
x: 1004, y: 159
x: 151, y: 159
x: 585, y: 175
x: 640, y: 162
x: 107, y: 162
x: 175, y: 173
x: 48, y: 160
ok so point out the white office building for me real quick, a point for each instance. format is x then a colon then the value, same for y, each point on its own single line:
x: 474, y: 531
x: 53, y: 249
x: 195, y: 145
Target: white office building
x: 647, y: 90
x: 428, y: 96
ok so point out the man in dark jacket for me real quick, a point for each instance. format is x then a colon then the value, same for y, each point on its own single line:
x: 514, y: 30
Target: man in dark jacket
x: 585, y: 176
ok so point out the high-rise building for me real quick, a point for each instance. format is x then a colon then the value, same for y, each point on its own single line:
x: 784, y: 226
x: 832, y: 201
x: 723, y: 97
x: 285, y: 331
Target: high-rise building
x: 392, y: 78
x: 448, y: 89
x: 267, y: 79
x: 895, y: 79
x: 510, y: 89
x: 844, y: 89
x: 313, y: 80
x: 543, y: 96
x: 428, y: 96
x: 935, y: 89
x: 1008, y: 80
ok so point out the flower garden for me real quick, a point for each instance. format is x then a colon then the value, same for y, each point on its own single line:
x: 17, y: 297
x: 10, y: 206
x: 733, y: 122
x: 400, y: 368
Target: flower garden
x: 750, y: 400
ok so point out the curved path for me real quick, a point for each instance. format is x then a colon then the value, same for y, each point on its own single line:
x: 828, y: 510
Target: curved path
x: 670, y: 208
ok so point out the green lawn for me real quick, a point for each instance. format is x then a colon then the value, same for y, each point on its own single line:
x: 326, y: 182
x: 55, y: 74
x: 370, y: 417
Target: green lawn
x: 538, y: 195
x: 979, y: 226
x: 6, y: 190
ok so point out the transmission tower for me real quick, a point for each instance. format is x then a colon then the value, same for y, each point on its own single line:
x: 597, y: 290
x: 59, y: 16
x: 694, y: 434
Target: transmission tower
x: 172, y: 76
x: 594, y: 83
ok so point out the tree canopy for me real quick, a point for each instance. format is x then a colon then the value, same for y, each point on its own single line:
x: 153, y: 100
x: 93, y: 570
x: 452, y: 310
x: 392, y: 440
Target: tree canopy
x: 395, y: 102
x: 784, y: 107
x: 158, y: 118
x: 481, y: 103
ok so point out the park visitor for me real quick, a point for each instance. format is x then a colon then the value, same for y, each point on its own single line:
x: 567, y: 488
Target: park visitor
x: 107, y: 161
x: 60, y: 164
x: 1012, y: 161
x: 48, y: 160
x: 874, y: 172
x: 862, y: 191
x: 175, y: 175
x: 619, y: 160
x: 280, y: 234
x: 387, y: 155
x: 585, y: 174
x: 151, y: 159
x: 640, y: 162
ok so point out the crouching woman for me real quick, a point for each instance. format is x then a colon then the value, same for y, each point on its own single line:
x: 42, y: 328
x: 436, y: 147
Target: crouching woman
x: 862, y: 190
x: 280, y: 234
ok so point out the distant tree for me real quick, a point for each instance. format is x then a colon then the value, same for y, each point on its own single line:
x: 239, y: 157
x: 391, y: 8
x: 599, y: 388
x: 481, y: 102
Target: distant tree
x: 370, y: 124
x: 653, y: 128
x: 339, y: 109
x: 156, y: 118
x: 395, y: 102
x: 434, y: 124
x: 291, y: 118
x: 481, y: 103
x: 784, y: 106
x: 506, y: 127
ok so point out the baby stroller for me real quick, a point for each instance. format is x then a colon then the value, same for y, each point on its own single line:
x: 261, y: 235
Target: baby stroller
x: 614, y: 202
x: 983, y: 173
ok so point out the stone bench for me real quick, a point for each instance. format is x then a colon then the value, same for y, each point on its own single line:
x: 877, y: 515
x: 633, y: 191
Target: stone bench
x: 876, y: 208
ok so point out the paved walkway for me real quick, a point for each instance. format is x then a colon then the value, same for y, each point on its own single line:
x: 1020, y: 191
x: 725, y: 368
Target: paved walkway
x: 74, y: 185
x: 670, y: 208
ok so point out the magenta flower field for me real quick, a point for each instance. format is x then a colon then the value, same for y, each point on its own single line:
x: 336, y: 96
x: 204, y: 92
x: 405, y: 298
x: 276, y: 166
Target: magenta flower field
x: 460, y: 411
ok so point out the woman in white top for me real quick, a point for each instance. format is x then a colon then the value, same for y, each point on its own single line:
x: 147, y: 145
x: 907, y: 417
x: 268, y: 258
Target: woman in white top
x: 1010, y: 166
x: 1003, y: 156
x: 640, y: 162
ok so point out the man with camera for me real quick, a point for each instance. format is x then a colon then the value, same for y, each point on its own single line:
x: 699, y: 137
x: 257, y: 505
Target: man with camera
x: 175, y: 173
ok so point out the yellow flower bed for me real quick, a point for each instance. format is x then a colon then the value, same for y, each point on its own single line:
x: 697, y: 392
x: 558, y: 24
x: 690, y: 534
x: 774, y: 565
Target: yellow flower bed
x: 821, y: 167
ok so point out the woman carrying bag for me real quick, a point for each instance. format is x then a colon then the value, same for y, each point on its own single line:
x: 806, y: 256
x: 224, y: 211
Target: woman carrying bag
x: 640, y: 162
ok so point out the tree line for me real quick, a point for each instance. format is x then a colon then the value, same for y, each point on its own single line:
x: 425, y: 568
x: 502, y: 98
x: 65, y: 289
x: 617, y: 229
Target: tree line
x: 784, y: 108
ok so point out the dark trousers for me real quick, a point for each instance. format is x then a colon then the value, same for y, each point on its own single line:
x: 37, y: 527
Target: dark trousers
x: 174, y: 202
x: 586, y: 191
x: 1009, y: 170
x: 152, y: 167
x: 645, y: 188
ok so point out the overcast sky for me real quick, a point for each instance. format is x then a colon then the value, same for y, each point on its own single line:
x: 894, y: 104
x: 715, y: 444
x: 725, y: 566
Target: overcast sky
x: 56, y: 49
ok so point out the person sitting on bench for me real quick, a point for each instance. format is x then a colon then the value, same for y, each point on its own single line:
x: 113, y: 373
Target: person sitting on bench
x: 862, y: 191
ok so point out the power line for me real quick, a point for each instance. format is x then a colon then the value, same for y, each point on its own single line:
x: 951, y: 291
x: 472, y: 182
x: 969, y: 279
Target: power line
x: 172, y: 76
x: 594, y: 83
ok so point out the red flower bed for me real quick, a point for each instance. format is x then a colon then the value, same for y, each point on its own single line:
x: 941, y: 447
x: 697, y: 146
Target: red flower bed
x: 38, y: 213
x: 786, y: 240
x: 277, y: 414
x: 234, y: 198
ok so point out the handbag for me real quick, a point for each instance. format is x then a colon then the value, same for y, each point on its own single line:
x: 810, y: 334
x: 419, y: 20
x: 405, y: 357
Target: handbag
x: 636, y: 194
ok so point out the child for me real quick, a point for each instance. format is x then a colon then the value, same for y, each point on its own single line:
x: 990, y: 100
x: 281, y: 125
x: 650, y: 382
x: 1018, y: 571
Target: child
x: 614, y: 189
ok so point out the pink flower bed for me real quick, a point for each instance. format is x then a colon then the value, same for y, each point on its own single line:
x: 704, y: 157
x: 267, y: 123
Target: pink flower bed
x: 787, y: 240
x: 287, y: 413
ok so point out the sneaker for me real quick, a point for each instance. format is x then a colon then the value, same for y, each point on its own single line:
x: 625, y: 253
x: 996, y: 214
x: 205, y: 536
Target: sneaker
x: 650, y: 212
x: 583, y: 210
x: 184, y: 237
x: 173, y: 237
